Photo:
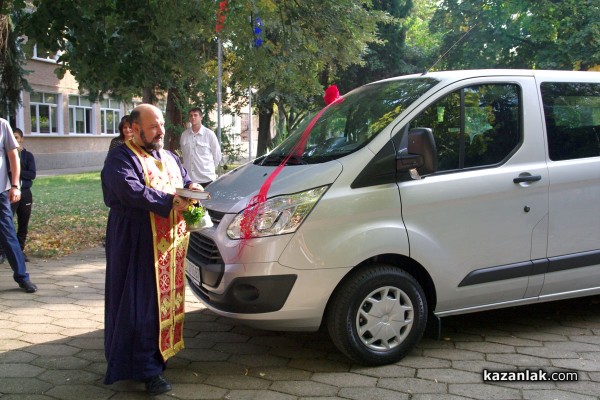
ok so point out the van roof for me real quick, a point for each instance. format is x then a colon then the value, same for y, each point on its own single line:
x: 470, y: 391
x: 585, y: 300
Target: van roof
x: 472, y: 73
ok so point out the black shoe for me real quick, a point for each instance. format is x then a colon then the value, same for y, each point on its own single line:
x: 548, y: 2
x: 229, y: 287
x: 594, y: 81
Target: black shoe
x: 29, y: 286
x: 157, y: 385
x: 2, y: 258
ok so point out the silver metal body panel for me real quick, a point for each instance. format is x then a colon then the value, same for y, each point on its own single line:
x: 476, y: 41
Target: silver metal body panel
x: 450, y: 224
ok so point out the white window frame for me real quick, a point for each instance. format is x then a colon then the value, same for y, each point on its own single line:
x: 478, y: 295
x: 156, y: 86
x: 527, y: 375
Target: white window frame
x: 114, y: 107
x: 52, y: 59
x: 88, y: 125
x: 53, y: 111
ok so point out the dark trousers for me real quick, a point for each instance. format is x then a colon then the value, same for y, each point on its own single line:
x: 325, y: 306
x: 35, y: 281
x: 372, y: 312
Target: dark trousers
x: 9, y: 241
x: 23, y: 210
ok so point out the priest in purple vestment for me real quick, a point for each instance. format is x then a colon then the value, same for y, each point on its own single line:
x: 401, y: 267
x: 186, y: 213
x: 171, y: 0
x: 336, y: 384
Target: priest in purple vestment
x: 131, y: 335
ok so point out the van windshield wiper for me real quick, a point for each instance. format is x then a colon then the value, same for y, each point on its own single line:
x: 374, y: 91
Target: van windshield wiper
x: 277, y: 159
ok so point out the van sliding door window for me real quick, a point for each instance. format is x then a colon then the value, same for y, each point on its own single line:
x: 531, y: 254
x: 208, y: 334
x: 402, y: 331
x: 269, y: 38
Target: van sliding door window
x: 475, y: 126
x: 572, y: 113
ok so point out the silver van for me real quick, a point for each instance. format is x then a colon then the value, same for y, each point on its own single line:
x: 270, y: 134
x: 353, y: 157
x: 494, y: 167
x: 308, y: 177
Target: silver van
x: 412, y: 199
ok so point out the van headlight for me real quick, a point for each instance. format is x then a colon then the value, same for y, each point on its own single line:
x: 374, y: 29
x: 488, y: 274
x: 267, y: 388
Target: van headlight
x: 278, y: 215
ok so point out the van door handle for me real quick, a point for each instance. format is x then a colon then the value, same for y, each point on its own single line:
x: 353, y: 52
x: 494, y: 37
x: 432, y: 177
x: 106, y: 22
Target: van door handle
x: 527, y: 178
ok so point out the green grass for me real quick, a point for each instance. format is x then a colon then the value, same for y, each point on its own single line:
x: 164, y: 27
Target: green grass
x: 68, y: 214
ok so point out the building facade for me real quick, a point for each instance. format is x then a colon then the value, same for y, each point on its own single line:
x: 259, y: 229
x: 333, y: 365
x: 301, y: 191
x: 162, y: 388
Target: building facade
x: 63, y: 129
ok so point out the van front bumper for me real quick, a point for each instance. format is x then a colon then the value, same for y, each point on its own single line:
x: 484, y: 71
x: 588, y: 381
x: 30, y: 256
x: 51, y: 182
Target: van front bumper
x: 255, y: 288
x: 248, y: 294
x: 247, y: 286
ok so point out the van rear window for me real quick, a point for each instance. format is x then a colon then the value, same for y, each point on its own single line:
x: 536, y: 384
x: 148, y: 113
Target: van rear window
x: 572, y: 114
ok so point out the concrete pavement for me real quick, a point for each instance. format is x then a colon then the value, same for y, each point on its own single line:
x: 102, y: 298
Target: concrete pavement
x: 51, y: 347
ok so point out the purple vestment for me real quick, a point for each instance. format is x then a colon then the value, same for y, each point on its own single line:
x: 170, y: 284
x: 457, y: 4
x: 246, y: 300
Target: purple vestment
x: 131, y: 313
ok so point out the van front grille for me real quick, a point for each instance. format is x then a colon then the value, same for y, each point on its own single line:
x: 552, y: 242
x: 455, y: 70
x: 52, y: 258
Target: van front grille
x: 215, y: 216
x: 203, y: 250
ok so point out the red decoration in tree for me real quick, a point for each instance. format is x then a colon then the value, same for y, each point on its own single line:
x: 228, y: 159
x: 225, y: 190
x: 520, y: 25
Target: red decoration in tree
x: 221, y: 15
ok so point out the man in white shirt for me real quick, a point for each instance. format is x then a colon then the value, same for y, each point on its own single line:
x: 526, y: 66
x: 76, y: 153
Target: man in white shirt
x: 201, y: 150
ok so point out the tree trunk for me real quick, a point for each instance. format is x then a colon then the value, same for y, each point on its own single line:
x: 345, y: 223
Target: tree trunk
x: 265, y: 112
x: 324, y: 77
x: 174, y: 120
x: 281, y: 123
x: 148, y: 95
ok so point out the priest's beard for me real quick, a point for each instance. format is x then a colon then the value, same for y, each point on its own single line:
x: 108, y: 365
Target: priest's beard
x: 151, y: 144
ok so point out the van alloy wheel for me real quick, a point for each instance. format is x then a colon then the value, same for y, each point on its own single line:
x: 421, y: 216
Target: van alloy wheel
x: 377, y: 315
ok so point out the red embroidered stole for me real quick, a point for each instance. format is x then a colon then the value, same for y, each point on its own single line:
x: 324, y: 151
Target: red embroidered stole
x: 170, y: 240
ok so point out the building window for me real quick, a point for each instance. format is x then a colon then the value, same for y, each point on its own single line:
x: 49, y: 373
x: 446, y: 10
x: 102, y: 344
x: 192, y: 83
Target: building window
x: 44, y: 111
x: 42, y: 55
x: 80, y: 115
x: 110, y: 115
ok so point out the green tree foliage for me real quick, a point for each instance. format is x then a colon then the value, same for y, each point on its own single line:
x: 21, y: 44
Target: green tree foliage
x: 9, y: 6
x: 132, y: 47
x: 12, y: 74
x: 123, y: 46
x: 421, y: 46
x: 301, y: 42
x: 549, y: 34
x: 386, y: 58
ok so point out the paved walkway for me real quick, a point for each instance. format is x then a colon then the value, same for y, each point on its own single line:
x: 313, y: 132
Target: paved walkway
x: 51, y: 347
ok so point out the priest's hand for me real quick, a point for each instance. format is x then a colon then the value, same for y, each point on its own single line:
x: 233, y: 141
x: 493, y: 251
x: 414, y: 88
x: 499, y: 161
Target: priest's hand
x: 181, y: 203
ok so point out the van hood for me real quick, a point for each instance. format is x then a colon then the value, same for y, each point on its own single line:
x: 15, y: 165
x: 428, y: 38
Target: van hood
x: 232, y: 191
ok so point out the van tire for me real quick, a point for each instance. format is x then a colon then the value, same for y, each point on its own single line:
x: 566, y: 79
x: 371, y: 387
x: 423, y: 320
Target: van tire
x: 349, y: 310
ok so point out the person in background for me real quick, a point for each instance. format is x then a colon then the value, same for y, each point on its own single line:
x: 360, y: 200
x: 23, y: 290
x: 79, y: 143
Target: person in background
x: 125, y: 133
x: 23, y: 207
x: 201, y: 150
x: 10, y: 193
x: 146, y: 245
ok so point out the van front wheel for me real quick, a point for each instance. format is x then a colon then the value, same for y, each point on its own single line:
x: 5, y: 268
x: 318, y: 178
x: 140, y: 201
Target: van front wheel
x: 377, y: 315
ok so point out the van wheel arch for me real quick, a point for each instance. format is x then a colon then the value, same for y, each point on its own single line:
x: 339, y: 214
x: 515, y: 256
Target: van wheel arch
x: 409, y: 265
x: 401, y: 262
x: 377, y: 314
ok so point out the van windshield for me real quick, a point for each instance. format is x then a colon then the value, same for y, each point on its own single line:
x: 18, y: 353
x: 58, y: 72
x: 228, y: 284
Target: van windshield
x: 349, y: 125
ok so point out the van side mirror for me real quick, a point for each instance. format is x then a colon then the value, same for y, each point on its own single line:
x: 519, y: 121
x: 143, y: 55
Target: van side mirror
x: 421, y: 154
